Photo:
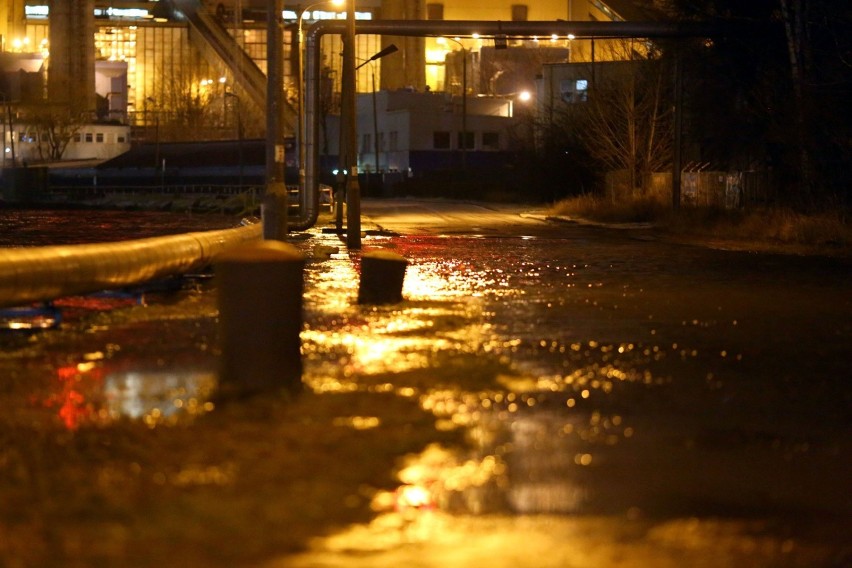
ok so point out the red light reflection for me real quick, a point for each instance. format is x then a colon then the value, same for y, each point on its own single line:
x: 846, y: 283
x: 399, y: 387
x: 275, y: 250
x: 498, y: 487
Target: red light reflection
x: 71, y: 402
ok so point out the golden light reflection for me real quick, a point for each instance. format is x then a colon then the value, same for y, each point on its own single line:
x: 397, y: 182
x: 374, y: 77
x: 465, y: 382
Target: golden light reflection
x: 431, y: 478
x: 91, y: 393
x: 357, y: 422
x: 159, y: 397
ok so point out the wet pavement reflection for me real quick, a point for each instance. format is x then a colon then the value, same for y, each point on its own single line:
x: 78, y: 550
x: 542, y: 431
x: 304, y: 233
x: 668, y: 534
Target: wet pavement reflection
x: 616, y: 401
x: 608, y: 394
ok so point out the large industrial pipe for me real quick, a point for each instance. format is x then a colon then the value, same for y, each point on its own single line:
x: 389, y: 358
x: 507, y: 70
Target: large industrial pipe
x: 46, y: 273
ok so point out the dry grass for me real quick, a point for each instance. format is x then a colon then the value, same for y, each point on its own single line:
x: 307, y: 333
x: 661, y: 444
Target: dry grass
x: 771, y: 225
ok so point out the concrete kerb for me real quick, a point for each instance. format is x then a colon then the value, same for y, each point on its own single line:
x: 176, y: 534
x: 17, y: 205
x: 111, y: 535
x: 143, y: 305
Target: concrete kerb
x: 580, y: 221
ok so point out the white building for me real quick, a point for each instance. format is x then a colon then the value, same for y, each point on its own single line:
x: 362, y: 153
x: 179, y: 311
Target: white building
x: 23, y: 144
x: 419, y: 131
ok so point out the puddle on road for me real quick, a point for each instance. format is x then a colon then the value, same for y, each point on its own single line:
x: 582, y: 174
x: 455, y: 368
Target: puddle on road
x: 545, y: 479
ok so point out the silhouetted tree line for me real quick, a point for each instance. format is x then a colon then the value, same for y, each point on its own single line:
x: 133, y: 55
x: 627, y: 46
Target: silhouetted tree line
x: 776, y: 99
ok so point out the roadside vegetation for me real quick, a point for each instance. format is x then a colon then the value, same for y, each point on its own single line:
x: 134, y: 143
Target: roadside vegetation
x: 828, y: 230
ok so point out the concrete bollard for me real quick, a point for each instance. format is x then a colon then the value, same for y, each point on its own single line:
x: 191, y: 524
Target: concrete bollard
x: 260, y: 289
x: 382, y: 274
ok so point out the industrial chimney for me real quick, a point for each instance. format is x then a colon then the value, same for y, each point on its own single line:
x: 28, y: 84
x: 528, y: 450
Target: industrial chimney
x: 71, y: 67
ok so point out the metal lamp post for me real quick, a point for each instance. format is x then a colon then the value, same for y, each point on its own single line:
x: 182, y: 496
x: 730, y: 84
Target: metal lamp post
x: 464, y: 101
x: 275, y: 202
x: 386, y: 51
x: 348, y: 133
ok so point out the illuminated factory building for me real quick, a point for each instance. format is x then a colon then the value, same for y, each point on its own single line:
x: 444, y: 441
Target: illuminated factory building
x: 135, y: 71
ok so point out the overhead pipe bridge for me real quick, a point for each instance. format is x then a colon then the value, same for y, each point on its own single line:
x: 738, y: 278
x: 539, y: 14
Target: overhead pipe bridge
x: 309, y: 194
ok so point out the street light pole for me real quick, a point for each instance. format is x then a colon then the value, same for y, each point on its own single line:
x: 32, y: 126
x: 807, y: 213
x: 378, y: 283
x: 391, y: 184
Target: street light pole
x: 275, y: 201
x: 392, y: 48
x: 349, y: 130
x: 464, y: 102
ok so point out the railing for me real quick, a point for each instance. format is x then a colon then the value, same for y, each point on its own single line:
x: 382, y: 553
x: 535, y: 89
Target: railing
x: 250, y: 192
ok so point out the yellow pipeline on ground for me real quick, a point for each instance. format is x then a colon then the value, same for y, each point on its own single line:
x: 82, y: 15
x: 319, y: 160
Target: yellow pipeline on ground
x: 45, y: 273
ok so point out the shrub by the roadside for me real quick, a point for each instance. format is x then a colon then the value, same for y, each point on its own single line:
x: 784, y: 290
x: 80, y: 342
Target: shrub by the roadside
x: 829, y: 228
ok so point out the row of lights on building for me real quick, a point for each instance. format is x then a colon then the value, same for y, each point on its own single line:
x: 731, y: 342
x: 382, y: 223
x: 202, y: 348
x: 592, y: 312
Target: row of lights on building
x: 22, y: 45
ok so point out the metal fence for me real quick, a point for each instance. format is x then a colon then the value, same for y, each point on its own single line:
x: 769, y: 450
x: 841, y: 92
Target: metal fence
x: 726, y: 190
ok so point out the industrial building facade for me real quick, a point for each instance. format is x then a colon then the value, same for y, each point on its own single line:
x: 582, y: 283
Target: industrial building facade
x: 147, y: 69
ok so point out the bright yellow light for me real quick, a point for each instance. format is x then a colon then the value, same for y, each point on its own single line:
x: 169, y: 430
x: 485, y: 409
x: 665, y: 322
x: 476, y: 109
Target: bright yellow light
x: 554, y: 37
x: 571, y: 36
x: 524, y: 96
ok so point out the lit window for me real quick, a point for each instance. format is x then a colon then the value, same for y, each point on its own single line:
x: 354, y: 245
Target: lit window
x: 574, y: 90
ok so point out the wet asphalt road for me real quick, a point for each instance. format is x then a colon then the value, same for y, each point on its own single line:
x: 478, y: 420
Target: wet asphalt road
x: 653, y: 379
x: 624, y: 401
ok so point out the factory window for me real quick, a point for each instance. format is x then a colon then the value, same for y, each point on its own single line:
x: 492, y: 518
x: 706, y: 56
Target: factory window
x: 99, y: 137
x: 120, y: 139
x: 465, y: 141
x: 574, y: 90
x: 88, y: 136
x: 434, y: 11
x: 520, y: 12
x: 491, y: 140
x: 441, y: 140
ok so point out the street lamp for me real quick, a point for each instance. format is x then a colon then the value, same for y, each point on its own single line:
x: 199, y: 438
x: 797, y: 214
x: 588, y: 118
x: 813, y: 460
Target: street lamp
x: 464, y: 100
x: 392, y: 48
x: 300, y: 122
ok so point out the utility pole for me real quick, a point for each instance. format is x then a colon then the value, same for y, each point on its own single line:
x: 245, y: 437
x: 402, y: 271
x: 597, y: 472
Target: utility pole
x: 349, y: 133
x: 275, y: 203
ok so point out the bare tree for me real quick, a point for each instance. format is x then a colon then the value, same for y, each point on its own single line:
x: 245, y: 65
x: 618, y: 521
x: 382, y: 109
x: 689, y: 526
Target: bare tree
x: 52, y: 127
x: 626, y: 121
